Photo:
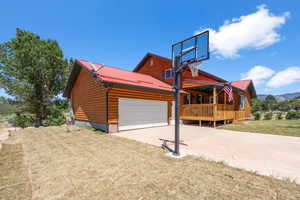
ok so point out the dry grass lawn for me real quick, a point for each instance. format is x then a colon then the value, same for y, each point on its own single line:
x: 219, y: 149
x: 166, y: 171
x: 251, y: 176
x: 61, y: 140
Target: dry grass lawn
x: 85, y: 165
x: 14, y: 180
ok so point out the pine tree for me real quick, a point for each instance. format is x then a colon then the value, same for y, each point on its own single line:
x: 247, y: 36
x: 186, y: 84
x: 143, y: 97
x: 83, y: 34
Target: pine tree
x: 33, y: 71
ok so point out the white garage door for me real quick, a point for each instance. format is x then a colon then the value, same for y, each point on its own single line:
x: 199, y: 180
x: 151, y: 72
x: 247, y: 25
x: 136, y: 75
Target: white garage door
x: 138, y: 113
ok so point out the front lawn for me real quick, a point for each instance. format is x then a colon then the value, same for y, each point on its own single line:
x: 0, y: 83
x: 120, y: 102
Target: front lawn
x: 64, y: 164
x: 275, y: 127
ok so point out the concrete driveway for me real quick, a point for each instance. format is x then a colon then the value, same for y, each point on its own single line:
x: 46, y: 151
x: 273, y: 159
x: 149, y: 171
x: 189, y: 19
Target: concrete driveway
x: 274, y: 155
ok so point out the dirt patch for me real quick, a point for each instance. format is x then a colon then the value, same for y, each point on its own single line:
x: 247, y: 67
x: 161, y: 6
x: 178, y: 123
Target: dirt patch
x: 85, y: 165
x: 14, y: 180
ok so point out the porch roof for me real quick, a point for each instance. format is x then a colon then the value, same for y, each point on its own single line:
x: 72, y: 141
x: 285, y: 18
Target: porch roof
x: 206, y: 86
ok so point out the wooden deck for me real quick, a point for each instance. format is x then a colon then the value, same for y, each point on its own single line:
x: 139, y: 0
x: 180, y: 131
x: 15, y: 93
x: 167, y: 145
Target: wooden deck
x: 212, y: 112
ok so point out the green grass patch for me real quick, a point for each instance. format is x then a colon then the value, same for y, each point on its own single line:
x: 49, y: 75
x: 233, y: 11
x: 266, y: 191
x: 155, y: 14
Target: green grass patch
x: 96, y: 131
x: 5, y: 117
x: 275, y: 127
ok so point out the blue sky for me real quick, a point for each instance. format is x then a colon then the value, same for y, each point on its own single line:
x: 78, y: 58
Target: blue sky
x: 262, y: 45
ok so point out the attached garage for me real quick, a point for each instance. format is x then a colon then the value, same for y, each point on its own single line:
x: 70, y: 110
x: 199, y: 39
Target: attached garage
x: 114, y: 100
x: 140, y: 113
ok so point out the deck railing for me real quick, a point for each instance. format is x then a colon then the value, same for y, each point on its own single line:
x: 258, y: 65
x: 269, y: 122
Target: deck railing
x: 224, y: 112
x: 212, y: 112
x: 194, y: 111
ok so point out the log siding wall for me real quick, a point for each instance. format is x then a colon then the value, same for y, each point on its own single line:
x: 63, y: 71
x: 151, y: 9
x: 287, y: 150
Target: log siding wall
x: 155, y: 67
x: 88, y: 99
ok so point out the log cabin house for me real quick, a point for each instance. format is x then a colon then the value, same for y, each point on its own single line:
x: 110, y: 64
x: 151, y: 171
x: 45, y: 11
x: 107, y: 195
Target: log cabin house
x: 112, y: 99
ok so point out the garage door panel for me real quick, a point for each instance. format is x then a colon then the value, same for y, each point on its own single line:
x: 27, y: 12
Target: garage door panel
x: 138, y: 113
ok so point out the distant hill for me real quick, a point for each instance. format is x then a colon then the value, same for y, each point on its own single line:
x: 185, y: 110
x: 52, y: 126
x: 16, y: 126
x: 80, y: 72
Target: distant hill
x: 282, y: 97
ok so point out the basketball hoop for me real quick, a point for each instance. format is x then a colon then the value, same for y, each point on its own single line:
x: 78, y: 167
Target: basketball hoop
x: 194, y: 68
x: 187, y: 53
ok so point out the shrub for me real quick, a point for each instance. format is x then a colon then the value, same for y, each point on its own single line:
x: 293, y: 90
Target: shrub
x: 256, y: 115
x: 56, y: 118
x: 293, y: 115
x: 23, y: 120
x: 56, y: 115
x: 268, y: 116
x: 256, y: 105
x: 279, y: 116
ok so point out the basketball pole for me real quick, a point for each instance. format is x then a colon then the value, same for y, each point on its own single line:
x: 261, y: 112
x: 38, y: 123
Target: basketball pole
x: 177, y: 74
x: 177, y: 86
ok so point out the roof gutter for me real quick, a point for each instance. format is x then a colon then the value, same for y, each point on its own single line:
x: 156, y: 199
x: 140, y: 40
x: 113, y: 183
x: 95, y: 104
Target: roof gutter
x: 135, y: 87
x: 204, y: 82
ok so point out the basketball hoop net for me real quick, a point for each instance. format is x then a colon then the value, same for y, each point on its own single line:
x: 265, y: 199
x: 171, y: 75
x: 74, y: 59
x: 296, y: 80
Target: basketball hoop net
x: 194, y: 68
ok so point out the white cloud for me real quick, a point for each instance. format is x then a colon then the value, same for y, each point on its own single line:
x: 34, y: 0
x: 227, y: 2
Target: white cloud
x: 259, y: 74
x: 285, y: 77
x: 256, y: 30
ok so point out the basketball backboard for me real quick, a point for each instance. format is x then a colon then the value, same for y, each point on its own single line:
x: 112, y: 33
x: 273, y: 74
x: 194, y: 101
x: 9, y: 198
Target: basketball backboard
x: 193, y: 49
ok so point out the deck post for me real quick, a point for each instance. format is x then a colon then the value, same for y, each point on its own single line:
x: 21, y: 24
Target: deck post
x: 215, y: 95
x: 200, y: 123
x: 215, y: 124
x: 214, y: 104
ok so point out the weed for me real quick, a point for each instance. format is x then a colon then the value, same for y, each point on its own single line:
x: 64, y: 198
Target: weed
x: 221, y: 162
x: 228, y: 175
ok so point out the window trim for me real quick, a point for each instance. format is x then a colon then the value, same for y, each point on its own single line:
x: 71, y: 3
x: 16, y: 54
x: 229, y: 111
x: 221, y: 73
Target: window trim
x: 200, y: 95
x: 242, y: 102
x: 188, y: 97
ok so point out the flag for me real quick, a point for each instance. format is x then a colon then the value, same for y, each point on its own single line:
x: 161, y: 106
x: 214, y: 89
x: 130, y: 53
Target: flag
x: 228, y: 90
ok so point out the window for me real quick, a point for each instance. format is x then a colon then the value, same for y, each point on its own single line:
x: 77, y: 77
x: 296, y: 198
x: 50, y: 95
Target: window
x: 151, y: 62
x: 199, y: 99
x: 242, y: 102
x: 187, y: 99
x: 168, y: 73
x: 211, y: 99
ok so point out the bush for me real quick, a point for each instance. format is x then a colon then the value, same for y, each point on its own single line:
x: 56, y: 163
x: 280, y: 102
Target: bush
x: 23, y: 120
x: 268, y: 116
x: 279, y: 116
x: 293, y: 115
x: 56, y: 114
x: 256, y: 105
x: 56, y: 118
x: 256, y: 115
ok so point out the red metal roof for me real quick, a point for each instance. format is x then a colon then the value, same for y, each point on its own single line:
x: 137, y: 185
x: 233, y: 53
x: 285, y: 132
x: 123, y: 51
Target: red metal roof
x: 115, y: 75
x: 242, y: 84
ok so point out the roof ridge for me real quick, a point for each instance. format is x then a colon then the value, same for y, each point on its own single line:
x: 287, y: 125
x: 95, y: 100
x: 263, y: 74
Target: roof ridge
x: 153, y: 54
x: 116, y: 68
x: 243, y: 80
